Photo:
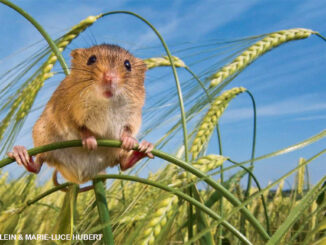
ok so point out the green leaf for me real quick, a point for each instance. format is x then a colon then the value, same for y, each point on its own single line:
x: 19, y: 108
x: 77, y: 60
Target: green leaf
x: 296, y: 213
x: 321, y: 197
x: 216, y: 196
x: 202, y: 222
x: 65, y: 221
x: 8, y: 222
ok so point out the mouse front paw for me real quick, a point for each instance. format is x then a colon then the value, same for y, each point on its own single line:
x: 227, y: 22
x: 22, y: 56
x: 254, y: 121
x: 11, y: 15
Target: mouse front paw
x: 128, y: 142
x: 146, y: 147
x: 89, y: 143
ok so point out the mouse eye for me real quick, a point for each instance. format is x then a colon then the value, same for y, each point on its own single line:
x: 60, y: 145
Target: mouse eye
x: 91, y: 60
x: 127, y: 65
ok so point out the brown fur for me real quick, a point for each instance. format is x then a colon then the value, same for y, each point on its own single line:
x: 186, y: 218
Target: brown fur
x: 79, y: 102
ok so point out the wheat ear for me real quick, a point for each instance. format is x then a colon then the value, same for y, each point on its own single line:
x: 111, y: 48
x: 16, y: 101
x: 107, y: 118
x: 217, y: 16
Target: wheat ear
x: 269, y: 42
x: 211, y: 118
x: 163, y: 61
x: 205, y: 164
x: 158, y: 220
x: 300, y: 176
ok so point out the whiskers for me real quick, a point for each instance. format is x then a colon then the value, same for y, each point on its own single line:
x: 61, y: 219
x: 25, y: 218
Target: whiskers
x: 87, y: 82
x: 80, y: 92
x: 60, y: 71
x: 82, y: 69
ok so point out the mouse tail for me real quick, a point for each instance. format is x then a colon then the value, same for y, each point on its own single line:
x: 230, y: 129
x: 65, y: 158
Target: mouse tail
x: 55, y: 180
x: 56, y: 183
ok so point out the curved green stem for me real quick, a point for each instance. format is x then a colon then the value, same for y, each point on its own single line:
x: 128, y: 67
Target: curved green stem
x: 103, y: 211
x: 227, y: 194
x: 253, y: 140
x: 200, y: 82
x: 259, y: 188
x: 218, y: 140
x: 252, y: 197
x: 210, y: 100
x: 52, y: 190
x: 321, y: 36
x: 262, y: 196
x: 247, y: 193
x: 157, y: 185
x: 179, y: 194
x: 183, y: 115
x: 46, y: 36
x: 114, y: 143
x: 257, y: 194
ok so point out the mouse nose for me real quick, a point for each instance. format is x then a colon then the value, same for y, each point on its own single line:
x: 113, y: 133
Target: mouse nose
x: 110, y: 77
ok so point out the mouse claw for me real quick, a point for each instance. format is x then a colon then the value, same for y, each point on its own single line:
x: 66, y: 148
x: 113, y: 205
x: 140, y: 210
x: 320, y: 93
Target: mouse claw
x: 128, y: 143
x: 146, y: 147
x: 89, y: 143
x: 22, y: 157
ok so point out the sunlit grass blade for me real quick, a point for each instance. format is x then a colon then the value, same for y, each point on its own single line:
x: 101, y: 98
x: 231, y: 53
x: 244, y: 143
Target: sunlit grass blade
x: 291, y: 148
x: 64, y: 223
x: 300, y: 177
x: 268, y: 187
x: 296, y: 212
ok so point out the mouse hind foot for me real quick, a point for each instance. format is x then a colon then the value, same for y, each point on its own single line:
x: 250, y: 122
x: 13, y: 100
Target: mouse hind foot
x: 21, y: 156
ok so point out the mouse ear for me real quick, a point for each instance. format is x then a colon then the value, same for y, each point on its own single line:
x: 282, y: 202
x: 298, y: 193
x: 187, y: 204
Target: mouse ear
x: 76, y: 53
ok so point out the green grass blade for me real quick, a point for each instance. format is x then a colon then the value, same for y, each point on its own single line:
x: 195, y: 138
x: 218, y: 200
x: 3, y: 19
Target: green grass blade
x: 65, y: 221
x: 291, y: 148
x: 296, y: 212
x: 201, y: 221
x: 103, y: 211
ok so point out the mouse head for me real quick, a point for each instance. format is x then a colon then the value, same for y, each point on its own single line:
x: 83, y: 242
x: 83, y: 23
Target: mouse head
x: 111, y: 71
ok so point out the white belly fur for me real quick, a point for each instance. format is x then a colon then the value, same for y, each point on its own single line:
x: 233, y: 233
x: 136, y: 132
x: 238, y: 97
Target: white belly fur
x: 80, y: 165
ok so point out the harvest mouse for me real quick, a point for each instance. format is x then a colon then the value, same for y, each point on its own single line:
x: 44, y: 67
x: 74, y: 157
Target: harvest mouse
x: 101, y: 98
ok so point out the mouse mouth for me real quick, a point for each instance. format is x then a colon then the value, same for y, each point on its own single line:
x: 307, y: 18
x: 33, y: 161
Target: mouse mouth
x: 109, y: 84
x: 107, y: 93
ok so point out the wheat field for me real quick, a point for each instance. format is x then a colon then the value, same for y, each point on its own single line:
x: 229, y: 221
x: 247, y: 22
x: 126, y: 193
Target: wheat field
x: 195, y: 197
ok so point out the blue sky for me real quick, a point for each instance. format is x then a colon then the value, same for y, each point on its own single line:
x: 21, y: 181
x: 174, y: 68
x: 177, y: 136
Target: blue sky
x: 288, y: 83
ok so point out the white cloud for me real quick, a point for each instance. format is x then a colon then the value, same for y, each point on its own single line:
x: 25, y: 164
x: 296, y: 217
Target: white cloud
x: 210, y: 15
x: 194, y: 22
x: 297, y: 105
x: 164, y: 30
x: 305, y: 14
x: 310, y: 118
